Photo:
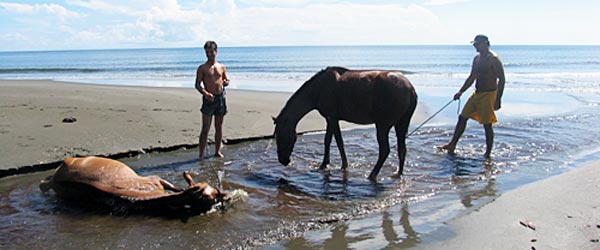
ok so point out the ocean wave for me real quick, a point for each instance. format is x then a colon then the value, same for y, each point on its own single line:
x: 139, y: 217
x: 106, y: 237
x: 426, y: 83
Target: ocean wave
x: 50, y: 70
x: 542, y: 64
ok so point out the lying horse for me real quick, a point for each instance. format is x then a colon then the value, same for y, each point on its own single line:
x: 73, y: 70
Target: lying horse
x: 386, y: 98
x: 112, y: 183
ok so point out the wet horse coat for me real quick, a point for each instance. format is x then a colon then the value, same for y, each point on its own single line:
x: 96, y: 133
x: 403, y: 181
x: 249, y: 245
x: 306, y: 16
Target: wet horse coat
x: 385, y: 98
x: 110, y: 182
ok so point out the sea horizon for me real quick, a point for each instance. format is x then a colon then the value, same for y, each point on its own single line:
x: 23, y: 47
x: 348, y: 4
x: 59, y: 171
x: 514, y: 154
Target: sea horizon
x: 309, y: 45
x: 285, y: 68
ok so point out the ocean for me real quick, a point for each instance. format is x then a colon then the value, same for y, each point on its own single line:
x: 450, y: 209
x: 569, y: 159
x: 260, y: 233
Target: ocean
x: 543, y: 68
x: 548, y: 124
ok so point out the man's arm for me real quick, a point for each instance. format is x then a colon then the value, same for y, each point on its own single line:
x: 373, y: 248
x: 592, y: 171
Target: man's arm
x: 225, y: 78
x: 199, y: 77
x: 499, y: 70
x: 470, y: 80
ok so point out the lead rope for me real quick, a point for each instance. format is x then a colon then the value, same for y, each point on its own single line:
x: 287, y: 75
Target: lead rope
x: 431, y: 117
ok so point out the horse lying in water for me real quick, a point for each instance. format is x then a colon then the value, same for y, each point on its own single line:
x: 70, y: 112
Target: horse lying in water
x: 112, y: 183
x: 385, y: 98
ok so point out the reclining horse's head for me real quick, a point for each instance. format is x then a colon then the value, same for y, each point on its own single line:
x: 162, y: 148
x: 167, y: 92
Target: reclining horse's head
x: 202, y: 194
x: 285, y: 138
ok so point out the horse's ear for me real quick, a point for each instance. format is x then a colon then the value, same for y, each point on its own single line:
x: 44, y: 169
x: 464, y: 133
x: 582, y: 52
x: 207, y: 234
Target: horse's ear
x: 274, y: 119
x: 189, y: 179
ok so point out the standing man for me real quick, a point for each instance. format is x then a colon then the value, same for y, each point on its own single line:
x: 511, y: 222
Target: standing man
x: 488, y: 74
x: 214, y: 77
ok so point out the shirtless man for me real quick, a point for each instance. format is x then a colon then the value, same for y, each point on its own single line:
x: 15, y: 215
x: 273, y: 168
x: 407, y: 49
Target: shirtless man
x: 488, y: 74
x: 214, y: 77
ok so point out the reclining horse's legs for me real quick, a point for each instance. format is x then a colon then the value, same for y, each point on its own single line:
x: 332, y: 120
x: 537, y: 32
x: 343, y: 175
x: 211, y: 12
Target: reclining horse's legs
x: 168, y: 186
x: 384, y: 148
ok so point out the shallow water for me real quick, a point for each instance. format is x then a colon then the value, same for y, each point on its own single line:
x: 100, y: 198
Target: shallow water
x: 300, y: 207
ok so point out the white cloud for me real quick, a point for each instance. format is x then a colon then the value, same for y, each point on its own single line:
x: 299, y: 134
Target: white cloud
x: 166, y: 23
x: 99, y: 5
x: 52, y: 9
x: 332, y: 24
x: 444, y: 2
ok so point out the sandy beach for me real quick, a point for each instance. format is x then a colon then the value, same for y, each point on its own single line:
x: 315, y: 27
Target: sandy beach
x: 113, y: 120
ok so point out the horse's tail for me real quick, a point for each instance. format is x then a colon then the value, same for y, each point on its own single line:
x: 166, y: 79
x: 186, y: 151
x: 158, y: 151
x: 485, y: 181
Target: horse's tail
x: 410, y: 110
x: 413, y: 101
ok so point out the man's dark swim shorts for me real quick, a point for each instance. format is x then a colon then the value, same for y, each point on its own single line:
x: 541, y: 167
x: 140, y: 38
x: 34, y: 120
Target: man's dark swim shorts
x: 217, y: 107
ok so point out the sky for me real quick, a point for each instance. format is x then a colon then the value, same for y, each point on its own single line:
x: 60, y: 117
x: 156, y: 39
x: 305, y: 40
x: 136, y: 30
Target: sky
x: 104, y: 24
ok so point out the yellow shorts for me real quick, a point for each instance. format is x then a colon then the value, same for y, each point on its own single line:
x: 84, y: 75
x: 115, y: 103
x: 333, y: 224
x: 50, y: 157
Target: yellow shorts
x: 480, y: 107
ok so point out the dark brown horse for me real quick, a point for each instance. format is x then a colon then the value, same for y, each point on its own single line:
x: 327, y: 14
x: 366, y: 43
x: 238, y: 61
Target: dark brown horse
x: 386, y: 98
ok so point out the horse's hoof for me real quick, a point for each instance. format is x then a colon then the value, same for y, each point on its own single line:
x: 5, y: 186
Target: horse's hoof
x: 372, y: 178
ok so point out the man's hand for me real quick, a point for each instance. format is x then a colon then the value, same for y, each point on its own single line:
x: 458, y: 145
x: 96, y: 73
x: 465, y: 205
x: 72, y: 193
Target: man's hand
x: 457, y: 95
x: 210, y: 97
x: 497, y: 104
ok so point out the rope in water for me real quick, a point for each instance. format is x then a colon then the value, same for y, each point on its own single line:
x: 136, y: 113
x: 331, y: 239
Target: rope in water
x: 431, y: 117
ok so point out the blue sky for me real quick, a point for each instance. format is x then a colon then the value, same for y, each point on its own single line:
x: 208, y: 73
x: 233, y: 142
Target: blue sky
x: 97, y: 24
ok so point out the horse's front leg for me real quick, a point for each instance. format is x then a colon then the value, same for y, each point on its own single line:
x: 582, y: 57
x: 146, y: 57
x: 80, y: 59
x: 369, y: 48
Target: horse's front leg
x: 340, y: 143
x: 384, y: 149
x: 327, y: 144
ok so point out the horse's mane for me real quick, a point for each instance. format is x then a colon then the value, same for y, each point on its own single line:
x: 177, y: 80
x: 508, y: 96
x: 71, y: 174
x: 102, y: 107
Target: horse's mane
x: 310, y: 83
x: 339, y: 70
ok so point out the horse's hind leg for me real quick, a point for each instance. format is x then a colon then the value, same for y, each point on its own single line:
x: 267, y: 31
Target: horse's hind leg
x: 384, y: 149
x: 401, y: 131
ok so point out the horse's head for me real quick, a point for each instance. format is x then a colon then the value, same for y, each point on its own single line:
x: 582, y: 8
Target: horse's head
x: 285, y: 137
x: 202, y: 194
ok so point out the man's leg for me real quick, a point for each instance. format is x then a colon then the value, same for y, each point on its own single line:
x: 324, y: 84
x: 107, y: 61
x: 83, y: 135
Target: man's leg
x: 489, y: 139
x: 206, y: 120
x: 458, y: 131
x: 218, y: 134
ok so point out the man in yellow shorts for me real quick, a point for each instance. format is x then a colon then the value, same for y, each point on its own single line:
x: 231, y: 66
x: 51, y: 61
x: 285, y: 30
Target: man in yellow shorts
x: 487, y: 73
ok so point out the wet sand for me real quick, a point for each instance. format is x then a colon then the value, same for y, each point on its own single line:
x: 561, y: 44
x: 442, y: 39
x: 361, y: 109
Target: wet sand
x: 561, y: 212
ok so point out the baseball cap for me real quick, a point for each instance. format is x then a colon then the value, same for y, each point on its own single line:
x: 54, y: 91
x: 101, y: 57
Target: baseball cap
x: 479, y: 38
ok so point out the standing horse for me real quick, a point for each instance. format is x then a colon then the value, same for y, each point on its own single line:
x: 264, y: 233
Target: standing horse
x: 386, y: 98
